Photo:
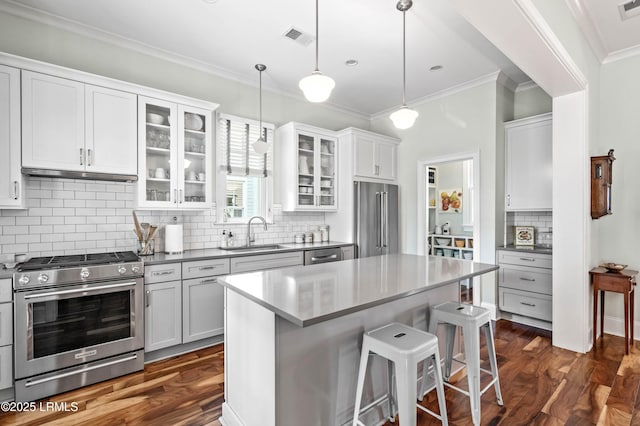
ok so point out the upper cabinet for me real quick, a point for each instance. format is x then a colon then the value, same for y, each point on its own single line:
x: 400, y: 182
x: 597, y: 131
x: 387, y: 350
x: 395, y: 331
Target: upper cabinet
x: 174, y: 155
x: 529, y: 167
x: 372, y: 156
x: 72, y: 126
x: 11, y: 182
x: 308, y: 161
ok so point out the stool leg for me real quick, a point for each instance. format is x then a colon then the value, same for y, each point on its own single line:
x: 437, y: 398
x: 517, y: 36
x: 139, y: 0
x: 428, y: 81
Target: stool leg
x: 392, y: 413
x: 449, y: 339
x: 406, y: 389
x: 488, y: 334
x: 362, y: 372
x: 437, y: 368
x: 472, y: 355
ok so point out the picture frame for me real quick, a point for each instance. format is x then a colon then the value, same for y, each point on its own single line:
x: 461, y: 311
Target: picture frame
x: 524, y: 235
x: 450, y: 201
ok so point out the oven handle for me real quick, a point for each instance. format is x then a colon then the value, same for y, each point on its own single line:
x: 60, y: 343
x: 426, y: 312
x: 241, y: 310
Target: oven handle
x: 30, y: 383
x: 79, y: 290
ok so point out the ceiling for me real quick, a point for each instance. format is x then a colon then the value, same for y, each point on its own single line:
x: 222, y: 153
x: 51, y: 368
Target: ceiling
x: 228, y: 37
x: 610, y: 36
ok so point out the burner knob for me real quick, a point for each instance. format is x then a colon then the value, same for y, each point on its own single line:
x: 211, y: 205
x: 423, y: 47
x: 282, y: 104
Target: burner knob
x: 24, y: 280
x: 84, y: 273
x: 43, y: 278
x: 122, y: 270
x: 135, y: 269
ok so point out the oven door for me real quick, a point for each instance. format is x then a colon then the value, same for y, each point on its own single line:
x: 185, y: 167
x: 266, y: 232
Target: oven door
x: 65, y: 326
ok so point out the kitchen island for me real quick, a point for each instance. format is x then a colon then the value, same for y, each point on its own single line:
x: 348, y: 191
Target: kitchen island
x: 293, y: 335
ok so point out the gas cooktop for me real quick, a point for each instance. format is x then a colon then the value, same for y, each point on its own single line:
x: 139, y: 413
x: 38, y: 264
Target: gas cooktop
x: 57, y: 262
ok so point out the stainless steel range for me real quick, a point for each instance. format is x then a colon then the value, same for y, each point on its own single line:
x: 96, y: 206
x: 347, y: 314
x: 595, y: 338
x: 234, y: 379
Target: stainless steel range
x: 78, y: 320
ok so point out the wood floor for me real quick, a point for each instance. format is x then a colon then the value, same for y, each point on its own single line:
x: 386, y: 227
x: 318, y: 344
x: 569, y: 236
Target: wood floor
x: 541, y: 385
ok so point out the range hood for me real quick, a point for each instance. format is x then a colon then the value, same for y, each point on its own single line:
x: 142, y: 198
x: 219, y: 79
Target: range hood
x: 69, y: 174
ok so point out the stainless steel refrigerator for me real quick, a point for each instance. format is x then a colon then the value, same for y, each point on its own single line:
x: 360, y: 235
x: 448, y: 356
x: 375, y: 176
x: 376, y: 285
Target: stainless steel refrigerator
x: 376, y: 218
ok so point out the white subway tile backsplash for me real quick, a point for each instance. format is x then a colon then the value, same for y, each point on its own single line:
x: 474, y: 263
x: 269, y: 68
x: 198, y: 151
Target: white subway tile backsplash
x: 38, y: 247
x: 15, y: 230
x: 41, y: 229
x: 74, y: 203
x: 28, y: 238
x: 51, y: 203
x: 28, y: 220
x: 53, y: 220
x: 75, y: 220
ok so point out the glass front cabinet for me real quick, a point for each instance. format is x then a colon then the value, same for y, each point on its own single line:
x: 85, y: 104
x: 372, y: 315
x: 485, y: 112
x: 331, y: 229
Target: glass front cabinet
x: 175, y: 144
x: 309, y: 159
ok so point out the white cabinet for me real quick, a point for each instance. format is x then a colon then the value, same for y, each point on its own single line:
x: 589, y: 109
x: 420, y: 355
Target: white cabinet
x: 529, y: 168
x: 203, y: 299
x: 174, y: 155
x: 308, y: 160
x: 525, y: 284
x: 163, y: 315
x: 374, y: 156
x: 11, y: 181
x: 6, y: 334
x: 348, y: 252
x: 266, y: 261
x: 71, y: 126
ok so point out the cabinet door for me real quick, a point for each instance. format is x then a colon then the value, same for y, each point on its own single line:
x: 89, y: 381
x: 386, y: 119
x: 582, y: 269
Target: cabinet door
x: 52, y: 123
x: 194, y: 152
x: 111, y: 131
x: 157, y: 154
x: 202, y: 309
x: 163, y: 315
x: 364, y: 160
x: 6, y: 367
x: 529, y: 170
x: 6, y: 324
x: 306, y: 170
x: 385, y: 167
x: 326, y: 177
x: 11, y: 182
x: 266, y: 261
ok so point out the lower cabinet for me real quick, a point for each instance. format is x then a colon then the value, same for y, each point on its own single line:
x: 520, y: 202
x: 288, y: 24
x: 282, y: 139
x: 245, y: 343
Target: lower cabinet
x: 183, y: 302
x: 6, y: 334
x: 266, y: 261
x: 525, y: 284
x: 163, y: 315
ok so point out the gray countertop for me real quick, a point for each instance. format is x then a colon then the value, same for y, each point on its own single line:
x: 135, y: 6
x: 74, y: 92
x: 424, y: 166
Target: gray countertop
x: 306, y: 295
x: 188, y: 255
x: 528, y: 249
x: 6, y: 273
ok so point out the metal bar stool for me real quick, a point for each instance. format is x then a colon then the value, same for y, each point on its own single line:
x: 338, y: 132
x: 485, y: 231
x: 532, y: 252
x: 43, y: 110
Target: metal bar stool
x: 470, y: 318
x: 404, y: 346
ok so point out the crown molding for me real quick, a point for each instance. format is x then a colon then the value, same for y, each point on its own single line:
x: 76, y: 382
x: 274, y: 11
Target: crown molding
x: 489, y: 78
x: 590, y: 31
x: 505, y: 81
x: 527, y: 85
x: 622, y: 54
x: 14, y: 8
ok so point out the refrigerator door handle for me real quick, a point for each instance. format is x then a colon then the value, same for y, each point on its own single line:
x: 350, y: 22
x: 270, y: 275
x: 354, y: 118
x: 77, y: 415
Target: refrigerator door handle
x: 385, y: 218
x: 379, y: 219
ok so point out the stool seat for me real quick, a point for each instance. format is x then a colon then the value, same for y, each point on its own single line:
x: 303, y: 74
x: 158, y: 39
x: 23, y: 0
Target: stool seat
x: 404, y: 347
x: 471, y: 319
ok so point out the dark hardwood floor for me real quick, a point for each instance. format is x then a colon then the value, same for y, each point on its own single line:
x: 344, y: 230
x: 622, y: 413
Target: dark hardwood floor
x: 541, y: 385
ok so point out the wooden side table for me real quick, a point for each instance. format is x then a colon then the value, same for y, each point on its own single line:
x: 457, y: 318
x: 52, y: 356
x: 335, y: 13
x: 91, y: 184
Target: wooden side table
x: 618, y: 282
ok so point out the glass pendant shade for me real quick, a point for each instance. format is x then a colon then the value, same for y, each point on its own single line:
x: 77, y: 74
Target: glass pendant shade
x: 260, y: 146
x: 404, y: 117
x: 317, y: 87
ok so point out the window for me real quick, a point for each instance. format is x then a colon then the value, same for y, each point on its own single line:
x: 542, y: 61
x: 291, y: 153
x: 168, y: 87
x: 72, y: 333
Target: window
x: 244, y: 177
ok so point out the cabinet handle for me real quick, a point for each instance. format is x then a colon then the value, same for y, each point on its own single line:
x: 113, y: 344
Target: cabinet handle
x: 528, y: 304
x: 209, y: 281
x: 180, y: 198
x: 527, y: 279
x: 377, y: 170
x: 508, y: 200
x: 16, y: 189
x: 528, y: 259
x: 156, y: 274
x: 89, y: 157
x: 82, y: 156
x: 147, y: 294
x: 206, y: 268
x: 175, y: 195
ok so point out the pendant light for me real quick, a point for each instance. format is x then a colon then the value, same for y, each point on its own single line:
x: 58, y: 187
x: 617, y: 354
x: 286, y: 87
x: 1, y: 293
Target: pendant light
x: 260, y: 145
x: 405, y: 116
x: 317, y: 87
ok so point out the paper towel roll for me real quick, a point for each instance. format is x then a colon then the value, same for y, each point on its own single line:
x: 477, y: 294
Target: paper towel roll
x: 173, y: 238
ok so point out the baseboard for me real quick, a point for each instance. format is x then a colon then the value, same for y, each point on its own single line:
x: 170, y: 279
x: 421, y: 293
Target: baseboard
x: 615, y: 326
x: 172, y: 351
x: 533, y: 322
x: 229, y: 417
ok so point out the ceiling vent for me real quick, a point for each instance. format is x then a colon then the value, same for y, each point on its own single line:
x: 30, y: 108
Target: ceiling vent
x: 300, y: 37
x: 629, y: 9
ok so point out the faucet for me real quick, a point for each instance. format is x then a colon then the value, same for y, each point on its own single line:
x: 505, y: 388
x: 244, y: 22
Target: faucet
x: 249, y: 239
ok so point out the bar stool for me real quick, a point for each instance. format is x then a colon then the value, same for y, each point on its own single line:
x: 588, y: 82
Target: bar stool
x: 470, y: 318
x: 405, y: 347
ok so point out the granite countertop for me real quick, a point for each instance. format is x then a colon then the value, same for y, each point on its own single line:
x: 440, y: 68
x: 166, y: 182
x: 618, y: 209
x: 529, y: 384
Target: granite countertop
x: 528, y: 249
x: 202, y: 254
x: 307, y: 295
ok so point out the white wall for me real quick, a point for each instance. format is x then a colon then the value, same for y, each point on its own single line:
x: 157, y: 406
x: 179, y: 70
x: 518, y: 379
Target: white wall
x: 531, y: 101
x: 618, y: 234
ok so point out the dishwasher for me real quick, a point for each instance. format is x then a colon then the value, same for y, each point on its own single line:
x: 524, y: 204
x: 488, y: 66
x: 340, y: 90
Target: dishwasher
x: 312, y: 257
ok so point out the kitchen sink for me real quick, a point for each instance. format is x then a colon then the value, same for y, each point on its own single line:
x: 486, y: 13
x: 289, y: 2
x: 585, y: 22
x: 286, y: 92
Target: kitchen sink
x: 263, y: 247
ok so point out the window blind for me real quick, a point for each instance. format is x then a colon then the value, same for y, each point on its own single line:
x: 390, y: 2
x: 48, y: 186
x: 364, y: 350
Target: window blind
x: 236, y: 155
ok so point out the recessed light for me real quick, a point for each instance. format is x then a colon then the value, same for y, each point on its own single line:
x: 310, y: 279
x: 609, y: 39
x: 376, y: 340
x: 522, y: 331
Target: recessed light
x: 436, y: 68
x: 351, y: 62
